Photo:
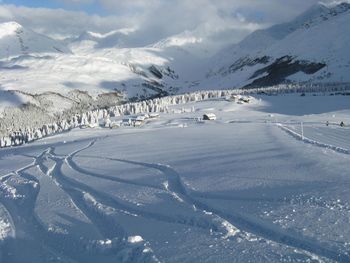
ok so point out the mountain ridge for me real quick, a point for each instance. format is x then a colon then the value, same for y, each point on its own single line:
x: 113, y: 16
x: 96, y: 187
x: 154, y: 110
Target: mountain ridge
x: 313, y: 47
x: 16, y: 40
x: 295, y: 40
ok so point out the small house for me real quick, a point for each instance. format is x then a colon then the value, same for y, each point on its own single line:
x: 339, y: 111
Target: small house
x: 233, y: 98
x: 209, y: 117
x: 244, y: 99
x: 126, y: 122
x: 92, y: 125
x: 137, y: 123
x: 115, y: 125
x: 153, y: 115
x: 140, y: 118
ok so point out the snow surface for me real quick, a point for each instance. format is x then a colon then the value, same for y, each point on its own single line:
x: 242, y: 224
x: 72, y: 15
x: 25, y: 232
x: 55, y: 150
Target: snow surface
x: 177, y: 189
x: 266, y: 181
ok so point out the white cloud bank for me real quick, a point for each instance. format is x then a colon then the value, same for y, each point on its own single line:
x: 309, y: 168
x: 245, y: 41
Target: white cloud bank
x: 225, y: 21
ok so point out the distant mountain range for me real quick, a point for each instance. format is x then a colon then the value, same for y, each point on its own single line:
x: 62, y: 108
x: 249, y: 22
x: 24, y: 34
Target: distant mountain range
x: 314, y: 47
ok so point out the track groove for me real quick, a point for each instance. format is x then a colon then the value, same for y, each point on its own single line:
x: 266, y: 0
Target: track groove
x: 244, y: 222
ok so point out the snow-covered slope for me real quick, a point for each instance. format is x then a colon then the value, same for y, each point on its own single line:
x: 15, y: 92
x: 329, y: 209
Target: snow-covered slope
x: 52, y: 77
x: 122, y: 38
x: 95, y: 65
x: 16, y: 40
x: 238, y: 189
x: 189, y: 42
x: 312, y: 47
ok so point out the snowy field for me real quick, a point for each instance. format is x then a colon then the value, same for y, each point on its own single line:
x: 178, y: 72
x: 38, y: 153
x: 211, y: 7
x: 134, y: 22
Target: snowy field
x: 237, y: 189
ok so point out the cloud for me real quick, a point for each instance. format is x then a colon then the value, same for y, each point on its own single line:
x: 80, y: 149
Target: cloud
x: 334, y: 2
x: 5, y: 14
x: 60, y: 21
x: 75, y: 2
x: 218, y: 20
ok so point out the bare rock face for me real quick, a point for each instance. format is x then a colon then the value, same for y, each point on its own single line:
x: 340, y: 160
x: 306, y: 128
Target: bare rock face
x: 153, y: 69
x: 280, y: 69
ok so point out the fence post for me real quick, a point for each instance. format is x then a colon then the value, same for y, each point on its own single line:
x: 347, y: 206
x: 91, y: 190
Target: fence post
x: 302, y: 130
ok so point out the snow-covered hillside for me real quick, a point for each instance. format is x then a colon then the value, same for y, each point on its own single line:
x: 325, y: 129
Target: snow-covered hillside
x: 16, y: 40
x: 96, y: 72
x: 312, y: 47
x: 35, y: 64
x: 122, y: 38
x: 93, y: 63
x: 35, y: 73
x: 180, y: 189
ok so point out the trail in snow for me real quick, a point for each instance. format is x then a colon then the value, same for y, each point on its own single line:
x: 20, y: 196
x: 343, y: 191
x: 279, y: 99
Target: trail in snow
x: 111, y: 214
x: 305, y: 139
x: 90, y: 201
x: 98, y: 207
x: 25, y: 221
x: 60, y: 246
x: 74, y: 166
x: 244, y: 222
x: 120, y: 205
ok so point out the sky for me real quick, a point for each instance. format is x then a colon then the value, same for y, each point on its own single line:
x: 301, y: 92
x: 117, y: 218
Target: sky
x: 151, y: 20
x: 90, y: 7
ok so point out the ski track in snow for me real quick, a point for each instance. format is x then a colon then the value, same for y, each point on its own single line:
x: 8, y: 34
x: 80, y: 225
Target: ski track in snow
x: 305, y: 139
x: 94, y: 205
x: 236, y: 220
x: 119, y: 204
x: 239, y: 221
x: 27, y: 221
x: 91, y: 202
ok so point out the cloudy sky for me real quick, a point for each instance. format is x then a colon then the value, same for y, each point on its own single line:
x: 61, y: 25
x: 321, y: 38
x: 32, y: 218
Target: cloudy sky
x: 228, y: 20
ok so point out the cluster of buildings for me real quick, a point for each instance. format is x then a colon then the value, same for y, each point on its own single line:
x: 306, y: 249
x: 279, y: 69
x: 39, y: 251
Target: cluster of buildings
x: 144, y: 110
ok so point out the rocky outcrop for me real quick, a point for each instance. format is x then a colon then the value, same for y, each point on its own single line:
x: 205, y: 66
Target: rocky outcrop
x: 280, y: 69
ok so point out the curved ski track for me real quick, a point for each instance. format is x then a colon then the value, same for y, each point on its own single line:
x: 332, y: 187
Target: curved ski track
x: 61, y: 246
x: 244, y: 222
x: 24, y: 216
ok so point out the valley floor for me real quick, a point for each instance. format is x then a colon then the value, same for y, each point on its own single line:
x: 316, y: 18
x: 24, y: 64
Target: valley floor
x: 238, y: 189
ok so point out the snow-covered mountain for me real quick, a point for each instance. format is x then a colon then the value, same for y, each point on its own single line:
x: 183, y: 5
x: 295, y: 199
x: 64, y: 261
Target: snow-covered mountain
x: 312, y: 47
x: 186, y: 42
x: 47, y: 82
x: 98, y: 70
x: 17, y: 40
x: 95, y: 64
x: 122, y: 38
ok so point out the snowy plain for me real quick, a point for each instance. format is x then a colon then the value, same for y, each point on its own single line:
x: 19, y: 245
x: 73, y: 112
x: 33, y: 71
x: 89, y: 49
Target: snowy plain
x: 237, y: 189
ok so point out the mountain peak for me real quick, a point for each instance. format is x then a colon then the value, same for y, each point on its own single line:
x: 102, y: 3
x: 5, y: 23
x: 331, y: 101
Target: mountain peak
x: 11, y: 25
x: 16, y: 40
x: 328, y: 10
x: 336, y: 4
x: 9, y: 28
x: 321, y: 12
